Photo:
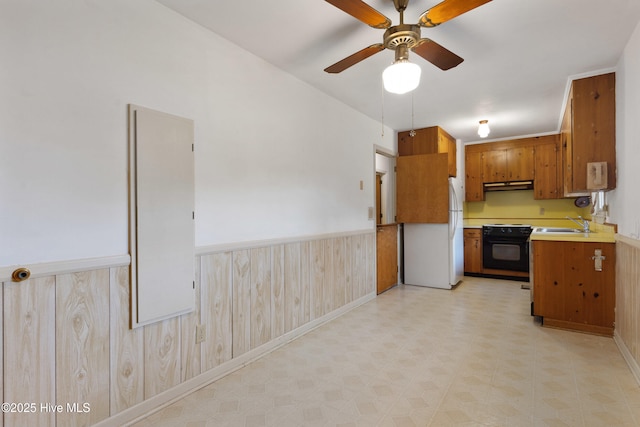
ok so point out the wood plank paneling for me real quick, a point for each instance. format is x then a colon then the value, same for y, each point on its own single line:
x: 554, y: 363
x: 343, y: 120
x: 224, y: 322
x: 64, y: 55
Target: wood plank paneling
x: 293, y: 309
x: 126, y: 346
x: 359, y: 266
x: 69, y: 338
x: 316, y: 278
x: 260, y: 296
x: 29, y: 348
x: 82, y: 346
x: 191, y: 356
x: 370, y: 284
x: 161, y: 356
x: 628, y: 296
x: 338, y: 272
x: 216, y: 308
x: 241, y: 316
x: 277, y: 291
x: 305, y: 284
x: 329, y: 276
x: 349, y: 243
x: 1, y: 353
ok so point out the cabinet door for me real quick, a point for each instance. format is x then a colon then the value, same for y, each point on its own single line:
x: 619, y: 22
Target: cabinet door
x: 472, y: 251
x: 567, y: 288
x: 473, y: 190
x: 520, y: 163
x: 422, y: 189
x: 550, y: 289
x: 494, y: 166
x: 546, y: 173
x: 405, y: 144
x: 594, y: 135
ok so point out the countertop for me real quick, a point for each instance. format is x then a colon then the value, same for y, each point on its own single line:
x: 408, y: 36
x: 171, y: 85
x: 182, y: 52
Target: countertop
x: 600, y: 233
x: 595, y: 237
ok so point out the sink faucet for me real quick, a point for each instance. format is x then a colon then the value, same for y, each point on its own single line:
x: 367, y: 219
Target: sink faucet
x: 584, y: 224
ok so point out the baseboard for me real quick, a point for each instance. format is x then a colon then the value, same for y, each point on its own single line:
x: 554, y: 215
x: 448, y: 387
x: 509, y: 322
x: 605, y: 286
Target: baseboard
x: 156, y: 403
x: 628, y: 357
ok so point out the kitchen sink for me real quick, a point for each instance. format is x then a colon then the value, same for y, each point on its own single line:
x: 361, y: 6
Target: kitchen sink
x: 558, y: 230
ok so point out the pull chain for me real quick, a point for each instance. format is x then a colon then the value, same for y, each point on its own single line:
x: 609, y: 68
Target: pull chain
x: 412, y: 133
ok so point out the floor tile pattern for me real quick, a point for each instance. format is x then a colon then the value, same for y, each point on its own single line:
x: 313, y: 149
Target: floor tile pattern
x: 417, y: 356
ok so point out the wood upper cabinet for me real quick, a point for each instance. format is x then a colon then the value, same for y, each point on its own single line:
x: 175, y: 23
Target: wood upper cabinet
x: 473, y: 250
x: 568, y: 291
x: 588, y: 133
x: 429, y: 140
x: 546, y: 184
x: 473, y: 190
x: 422, y: 189
x: 536, y: 159
x: 506, y: 165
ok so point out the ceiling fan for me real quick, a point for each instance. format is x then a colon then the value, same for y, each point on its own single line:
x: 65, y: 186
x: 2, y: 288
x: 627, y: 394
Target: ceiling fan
x: 403, y: 37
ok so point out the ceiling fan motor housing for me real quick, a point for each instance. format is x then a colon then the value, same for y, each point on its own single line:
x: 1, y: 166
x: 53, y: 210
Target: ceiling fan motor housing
x: 401, y: 35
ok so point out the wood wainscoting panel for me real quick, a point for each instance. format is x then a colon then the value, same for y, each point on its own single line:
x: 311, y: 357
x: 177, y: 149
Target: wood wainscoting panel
x: 68, y: 338
x: 371, y: 263
x: 241, y: 312
x: 260, y: 296
x: 161, y: 356
x: 338, y: 272
x: 1, y: 352
x: 628, y: 295
x: 329, y: 276
x: 82, y: 346
x: 349, y: 251
x: 30, y: 348
x: 191, y: 353
x: 217, y: 275
x: 126, y: 346
x: 316, y: 278
x: 293, y: 309
x: 305, y: 282
x: 277, y: 291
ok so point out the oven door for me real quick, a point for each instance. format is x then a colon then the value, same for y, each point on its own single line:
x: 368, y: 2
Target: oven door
x: 505, y: 254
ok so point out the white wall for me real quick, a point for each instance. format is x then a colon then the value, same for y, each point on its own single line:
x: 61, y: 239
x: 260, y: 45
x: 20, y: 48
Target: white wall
x: 624, y: 202
x: 274, y: 157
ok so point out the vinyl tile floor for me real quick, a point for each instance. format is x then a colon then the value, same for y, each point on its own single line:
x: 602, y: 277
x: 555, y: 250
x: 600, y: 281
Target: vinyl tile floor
x: 414, y: 356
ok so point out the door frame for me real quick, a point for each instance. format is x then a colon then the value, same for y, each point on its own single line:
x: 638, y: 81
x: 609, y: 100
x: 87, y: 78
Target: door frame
x: 390, y: 189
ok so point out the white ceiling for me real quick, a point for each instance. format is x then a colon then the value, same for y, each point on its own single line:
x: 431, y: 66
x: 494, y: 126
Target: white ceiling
x: 518, y: 56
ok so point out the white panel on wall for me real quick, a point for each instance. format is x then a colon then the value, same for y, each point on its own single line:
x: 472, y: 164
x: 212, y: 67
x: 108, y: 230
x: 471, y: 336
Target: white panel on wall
x: 162, y: 239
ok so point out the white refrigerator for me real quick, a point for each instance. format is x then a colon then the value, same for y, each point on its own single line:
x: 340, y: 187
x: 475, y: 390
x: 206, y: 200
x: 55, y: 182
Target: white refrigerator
x: 434, y: 253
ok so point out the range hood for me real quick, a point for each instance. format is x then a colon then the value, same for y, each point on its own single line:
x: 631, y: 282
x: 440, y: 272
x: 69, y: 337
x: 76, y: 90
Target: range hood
x: 508, y: 186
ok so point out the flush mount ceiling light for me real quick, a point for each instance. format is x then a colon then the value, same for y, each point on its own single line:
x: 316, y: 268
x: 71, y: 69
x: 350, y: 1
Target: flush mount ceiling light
x: 483, y: 129
x: 402, y: 76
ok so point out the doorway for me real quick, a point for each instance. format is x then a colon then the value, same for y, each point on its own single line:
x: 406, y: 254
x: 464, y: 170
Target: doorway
x: 386, y: 227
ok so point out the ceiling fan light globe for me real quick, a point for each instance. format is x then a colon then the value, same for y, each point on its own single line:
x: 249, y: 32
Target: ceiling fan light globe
x: 401, y: 77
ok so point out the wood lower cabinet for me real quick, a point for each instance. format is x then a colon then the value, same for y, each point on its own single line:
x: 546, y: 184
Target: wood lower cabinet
x: 568, y: 292
x: 473, y: 250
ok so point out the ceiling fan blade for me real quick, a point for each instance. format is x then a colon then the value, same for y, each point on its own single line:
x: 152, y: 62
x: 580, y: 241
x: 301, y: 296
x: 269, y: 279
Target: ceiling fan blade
x: 355, y: 58
x: 363, y: 12
x: 439, y: 56
x: 447, y: 10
